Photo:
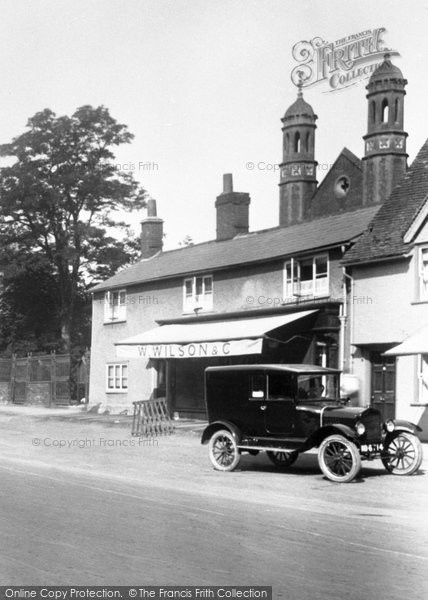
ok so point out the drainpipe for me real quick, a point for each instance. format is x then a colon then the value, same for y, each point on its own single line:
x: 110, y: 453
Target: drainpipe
x: 344, y: 319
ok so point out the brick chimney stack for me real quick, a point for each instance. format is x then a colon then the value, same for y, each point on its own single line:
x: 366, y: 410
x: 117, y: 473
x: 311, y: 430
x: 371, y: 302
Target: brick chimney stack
x: 232, y: 211
x: 151, y: 238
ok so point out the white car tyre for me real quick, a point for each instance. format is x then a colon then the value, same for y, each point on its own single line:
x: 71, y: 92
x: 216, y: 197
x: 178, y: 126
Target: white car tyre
x: 223, y: 451
x: 339, y: 459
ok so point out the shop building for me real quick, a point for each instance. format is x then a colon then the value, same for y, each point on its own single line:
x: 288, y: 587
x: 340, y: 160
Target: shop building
x: 277, y: 295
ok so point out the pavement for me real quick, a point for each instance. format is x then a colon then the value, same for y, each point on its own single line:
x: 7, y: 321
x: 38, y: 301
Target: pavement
x: 82, y: 415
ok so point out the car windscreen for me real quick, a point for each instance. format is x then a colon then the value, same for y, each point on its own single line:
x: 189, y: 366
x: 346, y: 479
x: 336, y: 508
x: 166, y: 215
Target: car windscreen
x: 316, y: 386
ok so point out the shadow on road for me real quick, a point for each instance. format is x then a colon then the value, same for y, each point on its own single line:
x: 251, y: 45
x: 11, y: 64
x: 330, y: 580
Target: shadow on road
x: 307, y: 464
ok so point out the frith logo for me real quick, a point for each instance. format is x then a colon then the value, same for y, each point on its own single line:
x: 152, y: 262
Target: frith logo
x: 341, y: 63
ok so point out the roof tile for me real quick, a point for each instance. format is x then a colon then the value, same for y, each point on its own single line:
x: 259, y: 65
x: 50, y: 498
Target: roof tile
x: 384, y: 236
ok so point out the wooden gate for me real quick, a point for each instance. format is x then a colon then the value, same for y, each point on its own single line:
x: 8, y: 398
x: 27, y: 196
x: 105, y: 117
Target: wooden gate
x: 151, y: 418
x: 45, y: 380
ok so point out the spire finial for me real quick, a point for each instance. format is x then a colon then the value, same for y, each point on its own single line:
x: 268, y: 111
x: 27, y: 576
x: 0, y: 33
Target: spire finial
x: 300, y: 84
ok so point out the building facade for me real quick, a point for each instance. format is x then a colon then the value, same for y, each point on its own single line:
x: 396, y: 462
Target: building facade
x: 388, y: 269
x: 277, y: 295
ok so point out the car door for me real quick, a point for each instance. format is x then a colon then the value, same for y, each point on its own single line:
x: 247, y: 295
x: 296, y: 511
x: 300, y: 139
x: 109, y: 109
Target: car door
x: 279, y: 407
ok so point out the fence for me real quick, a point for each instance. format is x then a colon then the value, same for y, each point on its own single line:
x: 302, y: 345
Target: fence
x: 151, y: 418
x: 43, y: 380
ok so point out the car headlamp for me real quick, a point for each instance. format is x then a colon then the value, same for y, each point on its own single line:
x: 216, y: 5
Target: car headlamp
x: 360, y: 428
x: 390, y: 425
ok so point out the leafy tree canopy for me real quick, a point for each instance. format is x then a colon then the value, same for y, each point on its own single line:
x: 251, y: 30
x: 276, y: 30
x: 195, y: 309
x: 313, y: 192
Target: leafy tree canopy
x: 58, y: 202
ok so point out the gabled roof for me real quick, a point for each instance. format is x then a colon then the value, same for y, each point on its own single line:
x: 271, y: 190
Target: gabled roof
x: 384, y: 237
x: 266, y: 245
x: 325, y: 200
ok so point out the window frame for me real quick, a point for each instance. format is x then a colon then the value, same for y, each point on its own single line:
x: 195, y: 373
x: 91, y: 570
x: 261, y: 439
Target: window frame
x: 205, y: 300
x: 121, y: 376
x: 293, y: 267
x: 422, y: 294
x: 109, y: 306
x: 422, y: 396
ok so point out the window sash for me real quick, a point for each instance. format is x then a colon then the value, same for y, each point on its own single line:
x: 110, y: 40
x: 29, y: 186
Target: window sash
x: 423, y: 274
x: 297, y: 281
x: 198, y: 292
x: 117, y: 377
x: 115, y: 306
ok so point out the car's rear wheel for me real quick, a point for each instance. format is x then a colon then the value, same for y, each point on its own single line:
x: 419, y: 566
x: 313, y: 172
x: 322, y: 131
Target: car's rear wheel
x: 223, y: 451
x: 403, y: 454
x: 339, y: 459
x: 282, y: 459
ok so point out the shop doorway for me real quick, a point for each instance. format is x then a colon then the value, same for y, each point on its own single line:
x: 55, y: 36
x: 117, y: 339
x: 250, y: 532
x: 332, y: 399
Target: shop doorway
x: 383, y: 384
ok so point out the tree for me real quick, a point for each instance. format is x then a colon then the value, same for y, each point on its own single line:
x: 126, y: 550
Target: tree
x: 56, y: 209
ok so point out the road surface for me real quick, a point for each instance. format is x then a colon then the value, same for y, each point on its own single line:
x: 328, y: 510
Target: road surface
x: 108, y: 513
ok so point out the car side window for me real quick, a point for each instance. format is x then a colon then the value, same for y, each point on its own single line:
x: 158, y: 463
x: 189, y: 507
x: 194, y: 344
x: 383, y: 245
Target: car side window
x: 257, y: 387
x: 281, y: 386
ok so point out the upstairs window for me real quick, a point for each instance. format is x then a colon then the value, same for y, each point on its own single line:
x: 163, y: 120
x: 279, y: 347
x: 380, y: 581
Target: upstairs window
x: 115, y: 306
x: 423, y: 274
x: 306, y: 277
x: 198, y: 293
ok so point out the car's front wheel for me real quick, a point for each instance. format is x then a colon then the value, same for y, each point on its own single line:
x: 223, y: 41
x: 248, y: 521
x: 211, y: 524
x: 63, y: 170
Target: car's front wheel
x: 402, y: 454
x: 282, y: 459
x: 224, y: 453
x: 339, y: 459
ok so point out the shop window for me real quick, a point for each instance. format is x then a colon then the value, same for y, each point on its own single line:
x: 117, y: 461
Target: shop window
x: 423, y: 274
x: 115, y: 306
x: 117, y: 378
x: 423, y: 379
x: 198, y: 293
x: 307, y: 277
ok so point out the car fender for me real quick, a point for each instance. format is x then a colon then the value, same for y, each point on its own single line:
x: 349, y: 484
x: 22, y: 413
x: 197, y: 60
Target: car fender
x: 216, y: 425
x: 318, y: 436
x: 407, y: 426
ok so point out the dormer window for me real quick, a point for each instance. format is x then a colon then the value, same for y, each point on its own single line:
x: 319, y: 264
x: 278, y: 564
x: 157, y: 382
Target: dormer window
x: 115, y: 306
x: 198, y: 293
x: 306, y: 277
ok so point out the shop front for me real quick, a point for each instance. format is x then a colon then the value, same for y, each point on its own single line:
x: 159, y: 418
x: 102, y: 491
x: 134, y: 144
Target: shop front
x: 181, y: 351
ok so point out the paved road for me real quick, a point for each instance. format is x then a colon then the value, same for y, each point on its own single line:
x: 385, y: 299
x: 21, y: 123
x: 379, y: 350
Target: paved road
x: 110, y: 513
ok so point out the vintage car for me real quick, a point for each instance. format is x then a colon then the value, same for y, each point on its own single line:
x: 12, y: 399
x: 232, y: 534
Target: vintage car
x: 285, y: 410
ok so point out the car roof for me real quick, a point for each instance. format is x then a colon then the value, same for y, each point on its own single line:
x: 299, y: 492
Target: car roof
x: 288, y: 368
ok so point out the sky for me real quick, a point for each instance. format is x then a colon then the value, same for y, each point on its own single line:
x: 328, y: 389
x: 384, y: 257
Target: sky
x: 202, y: 85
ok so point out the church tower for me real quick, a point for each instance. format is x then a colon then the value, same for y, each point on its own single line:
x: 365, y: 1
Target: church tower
x: 385, y: 158
x: 298, y: 168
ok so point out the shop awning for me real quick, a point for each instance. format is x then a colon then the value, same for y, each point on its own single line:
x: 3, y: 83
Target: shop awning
x: 232, y: 337
x: 416, y: 343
